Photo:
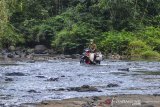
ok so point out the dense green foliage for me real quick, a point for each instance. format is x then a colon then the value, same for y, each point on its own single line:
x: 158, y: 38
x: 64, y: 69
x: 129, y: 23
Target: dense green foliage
x: 125, y: 27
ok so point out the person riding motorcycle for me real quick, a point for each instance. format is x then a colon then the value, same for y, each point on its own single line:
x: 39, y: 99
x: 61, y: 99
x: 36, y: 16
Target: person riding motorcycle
x: 91, y: 55
x: 93, y: 48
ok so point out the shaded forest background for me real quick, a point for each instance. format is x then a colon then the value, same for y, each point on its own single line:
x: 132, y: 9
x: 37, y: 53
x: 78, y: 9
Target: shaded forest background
x: 124, y: 27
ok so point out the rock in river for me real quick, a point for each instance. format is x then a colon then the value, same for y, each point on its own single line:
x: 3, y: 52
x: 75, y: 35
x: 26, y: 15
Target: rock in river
x: 60, y: 89
x: 112, y: 85
x: 40, y: 76
x: 84, y: 88
x: 63, y: 76
x: 33, y: 91
x: 8, y: 79
x: 124, y: 69
x: 15, y: 74
x: 10, y: 55
x: 52, y: 79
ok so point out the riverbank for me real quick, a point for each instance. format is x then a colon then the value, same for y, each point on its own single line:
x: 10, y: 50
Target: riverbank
x: 40, y: 57
x: 105, y: 101
x: 41, y: 53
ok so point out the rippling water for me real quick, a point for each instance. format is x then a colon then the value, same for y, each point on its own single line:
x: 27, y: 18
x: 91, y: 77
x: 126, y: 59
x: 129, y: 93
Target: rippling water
x: 72, y: 74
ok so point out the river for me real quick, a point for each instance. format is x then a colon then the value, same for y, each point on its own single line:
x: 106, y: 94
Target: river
x: 132, y: 77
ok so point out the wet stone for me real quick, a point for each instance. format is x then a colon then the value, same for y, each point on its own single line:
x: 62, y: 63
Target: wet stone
x: 60, y: 89
x: 40, y: 76
x: 8, y: 79
x: 52, y: 79
x: 84, y: 88
x: 33, y: 91
x: 123, y: 69
x: 10, y: 56
x: 15, y: 74
x: 62, y: 76
x: 112, y: 85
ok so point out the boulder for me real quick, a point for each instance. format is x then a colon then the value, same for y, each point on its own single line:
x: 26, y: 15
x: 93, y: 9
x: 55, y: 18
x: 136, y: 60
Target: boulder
x: 51, y: 51
x: 40, y: 49
x: 29, y: 51
x: 12, y: 48
x: 10, y: 55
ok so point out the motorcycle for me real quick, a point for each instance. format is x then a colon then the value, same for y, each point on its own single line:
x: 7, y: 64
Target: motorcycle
x: 89, y: 57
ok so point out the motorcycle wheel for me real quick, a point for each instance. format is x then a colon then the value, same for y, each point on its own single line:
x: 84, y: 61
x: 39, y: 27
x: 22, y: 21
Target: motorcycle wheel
x: 98, y: 62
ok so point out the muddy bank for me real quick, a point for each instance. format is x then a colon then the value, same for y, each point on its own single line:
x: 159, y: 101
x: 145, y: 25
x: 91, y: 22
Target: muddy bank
x: 104, y: 101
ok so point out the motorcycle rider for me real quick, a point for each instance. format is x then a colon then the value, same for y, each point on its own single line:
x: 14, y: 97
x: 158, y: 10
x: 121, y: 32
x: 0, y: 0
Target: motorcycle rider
x: 93, y: 48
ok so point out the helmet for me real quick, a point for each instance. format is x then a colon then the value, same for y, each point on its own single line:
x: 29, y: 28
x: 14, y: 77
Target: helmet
x: 91, y: 40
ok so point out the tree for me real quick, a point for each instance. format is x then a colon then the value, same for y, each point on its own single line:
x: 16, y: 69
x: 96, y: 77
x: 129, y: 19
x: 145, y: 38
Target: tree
x: 8, y: 36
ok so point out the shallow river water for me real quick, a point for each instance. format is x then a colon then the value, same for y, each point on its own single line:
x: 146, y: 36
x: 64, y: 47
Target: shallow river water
x: 131, y: 77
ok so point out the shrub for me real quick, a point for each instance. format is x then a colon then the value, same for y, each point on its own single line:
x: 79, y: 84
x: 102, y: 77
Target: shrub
x: 154, y: 43
x: 116, y: 42
x: 137, y: 47
x: 150, y: 54
x: 149, y: 35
